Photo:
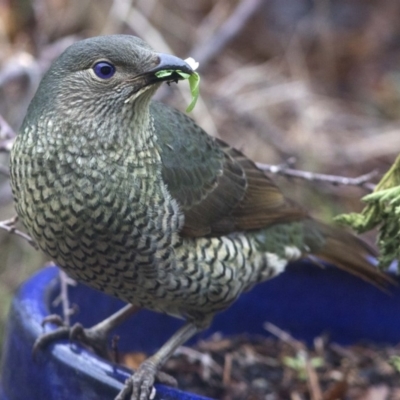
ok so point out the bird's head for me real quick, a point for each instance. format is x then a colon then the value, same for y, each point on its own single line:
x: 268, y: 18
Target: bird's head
x: 101, y: 74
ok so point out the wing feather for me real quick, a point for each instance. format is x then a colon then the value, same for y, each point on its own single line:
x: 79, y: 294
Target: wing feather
x: 219, y: 189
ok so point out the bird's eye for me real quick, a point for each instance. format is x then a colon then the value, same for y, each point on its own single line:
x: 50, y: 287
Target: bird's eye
x: 104, y: 70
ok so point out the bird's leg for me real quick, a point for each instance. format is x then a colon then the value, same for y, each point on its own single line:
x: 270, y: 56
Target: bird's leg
x: 140, y: 385
x: 95, y: 337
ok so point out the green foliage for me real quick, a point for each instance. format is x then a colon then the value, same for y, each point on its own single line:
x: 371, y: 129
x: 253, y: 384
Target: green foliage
x: 194, y: 83
x: 395, y: 361
x: 383, y: 210
x: 299, y: 364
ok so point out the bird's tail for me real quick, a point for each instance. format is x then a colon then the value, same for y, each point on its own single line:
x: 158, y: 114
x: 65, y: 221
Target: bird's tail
x: 316, y: 240
x: 344, y: 250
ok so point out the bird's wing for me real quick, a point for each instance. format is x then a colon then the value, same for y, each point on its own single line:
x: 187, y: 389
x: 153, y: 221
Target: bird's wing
x: 219, y: 189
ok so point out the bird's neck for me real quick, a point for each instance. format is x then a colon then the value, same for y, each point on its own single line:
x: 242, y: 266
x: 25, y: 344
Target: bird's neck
x: 138, y: 126
x: 124, y: 135
x: 126, y: 127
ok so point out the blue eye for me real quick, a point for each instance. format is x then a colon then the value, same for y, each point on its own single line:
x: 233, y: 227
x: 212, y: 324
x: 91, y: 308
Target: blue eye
x: 104, y: 70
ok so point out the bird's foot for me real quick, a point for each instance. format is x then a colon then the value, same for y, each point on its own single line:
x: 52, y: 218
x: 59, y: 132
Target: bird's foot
x: 92, y: 337
x: 140, y: 385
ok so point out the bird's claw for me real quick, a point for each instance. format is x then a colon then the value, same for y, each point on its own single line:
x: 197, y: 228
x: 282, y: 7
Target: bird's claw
x: 166, y: 379
x: 90, y: 337
x: 53, y: 319
x: 140, y: 385
x: 143, y: 381
x: 45, y: 339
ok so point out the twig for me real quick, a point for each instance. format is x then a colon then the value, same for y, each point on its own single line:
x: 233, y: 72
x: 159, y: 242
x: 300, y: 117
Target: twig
x: 7, y: 136
x: 23, y: 65
x: 6, y: 132
x: 9, y: 226
x: 63, y: 298
x: 226, y: 376
x: 205, y: 360
x: 295, y: 396
x: 206, y: 51
x: 313, y: 381
x: 283, y: 336
x: 6, y: 145
x: 312, y: 376
x: 114, y: 349
x: 362, y: 181
x: 4, y: 171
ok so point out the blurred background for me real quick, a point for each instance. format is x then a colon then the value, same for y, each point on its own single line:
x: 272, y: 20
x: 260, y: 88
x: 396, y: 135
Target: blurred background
x: 317, y: 80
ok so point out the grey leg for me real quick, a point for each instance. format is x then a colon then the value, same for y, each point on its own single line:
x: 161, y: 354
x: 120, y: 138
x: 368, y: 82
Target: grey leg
x: 139, y: 386
x: 95, y: 337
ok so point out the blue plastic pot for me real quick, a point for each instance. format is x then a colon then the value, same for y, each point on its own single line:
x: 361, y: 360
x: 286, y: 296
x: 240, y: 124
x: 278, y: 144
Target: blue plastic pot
x: 305, y: 301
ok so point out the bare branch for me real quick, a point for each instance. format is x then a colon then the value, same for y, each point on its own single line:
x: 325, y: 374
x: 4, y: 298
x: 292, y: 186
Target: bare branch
x: 363, y: 181
x: 4, y: 171
x: 283, y: 336
x: 63, y: 297
x: 7, y: 136
x: 9, y: 226
x: 24, y: 65
x: 206, y: 51
x: 312, y: 377
x: 6, y: 132
x: 204, y: 359
x: 6, y: 145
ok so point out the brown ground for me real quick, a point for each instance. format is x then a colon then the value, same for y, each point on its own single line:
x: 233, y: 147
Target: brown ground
x: 260, y: 368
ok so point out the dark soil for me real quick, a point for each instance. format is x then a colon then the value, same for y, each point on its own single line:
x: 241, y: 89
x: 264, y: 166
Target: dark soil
x: 266, y: 368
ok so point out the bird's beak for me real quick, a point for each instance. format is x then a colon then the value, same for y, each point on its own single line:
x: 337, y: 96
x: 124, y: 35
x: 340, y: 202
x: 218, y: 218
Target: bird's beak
x: 167, y: 69
x: 171, y: 64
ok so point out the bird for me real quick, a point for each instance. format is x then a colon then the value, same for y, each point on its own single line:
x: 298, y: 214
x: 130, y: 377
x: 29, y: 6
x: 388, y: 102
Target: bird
x: 133, y: 198
x: 382, y: 210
